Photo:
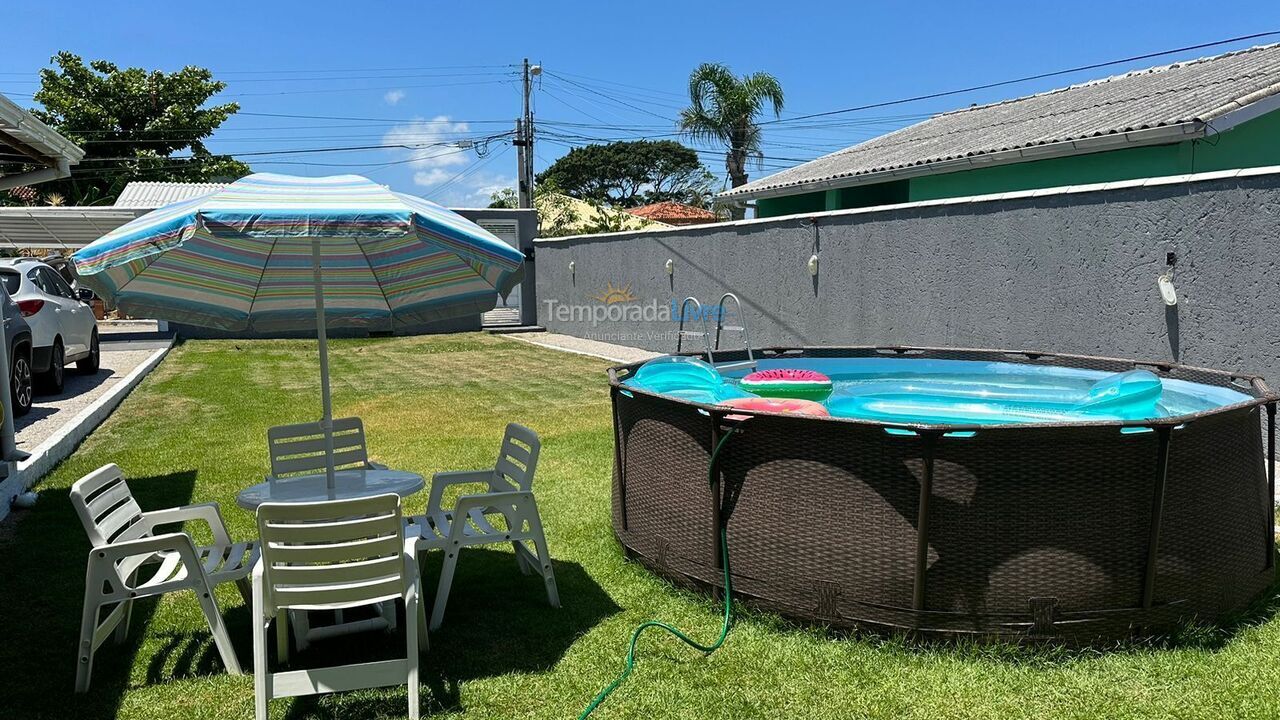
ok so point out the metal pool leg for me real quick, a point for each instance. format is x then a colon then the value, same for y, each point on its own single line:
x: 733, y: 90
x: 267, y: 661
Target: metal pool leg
x: 617, y: 456
x: 922, y: 522
x: 1270, y: 537
x: 1157, y: 515
x: 714, y: 472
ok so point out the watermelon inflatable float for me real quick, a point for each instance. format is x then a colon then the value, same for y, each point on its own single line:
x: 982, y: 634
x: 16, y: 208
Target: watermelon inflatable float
x: 788, y: 383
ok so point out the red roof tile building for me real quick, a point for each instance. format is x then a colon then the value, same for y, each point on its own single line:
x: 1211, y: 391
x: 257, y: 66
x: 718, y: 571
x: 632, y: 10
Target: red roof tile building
x: 674, y: 213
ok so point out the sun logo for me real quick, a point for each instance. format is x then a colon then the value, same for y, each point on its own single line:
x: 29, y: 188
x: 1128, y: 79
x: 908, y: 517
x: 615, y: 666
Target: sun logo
x: 613, y: 294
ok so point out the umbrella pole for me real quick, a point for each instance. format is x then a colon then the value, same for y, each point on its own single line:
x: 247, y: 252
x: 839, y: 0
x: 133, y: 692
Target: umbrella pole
x: 326, y: 421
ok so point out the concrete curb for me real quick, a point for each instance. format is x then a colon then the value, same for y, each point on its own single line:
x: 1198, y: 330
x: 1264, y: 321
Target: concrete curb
x: 56, y: 449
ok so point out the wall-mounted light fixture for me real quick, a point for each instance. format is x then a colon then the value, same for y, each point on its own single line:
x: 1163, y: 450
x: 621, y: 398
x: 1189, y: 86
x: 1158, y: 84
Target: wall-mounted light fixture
x: 670, y: 266
x: 1167, y: 291
x: 813, y: 264
x: 1164, y: 282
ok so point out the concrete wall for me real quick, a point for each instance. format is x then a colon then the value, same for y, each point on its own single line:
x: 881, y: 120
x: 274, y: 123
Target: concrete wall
x: 1068, y: 269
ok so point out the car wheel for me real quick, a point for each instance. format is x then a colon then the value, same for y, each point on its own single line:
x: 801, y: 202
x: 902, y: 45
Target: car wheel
x: 89, y: 365
x: 51, y: 380
x: 20, y: 389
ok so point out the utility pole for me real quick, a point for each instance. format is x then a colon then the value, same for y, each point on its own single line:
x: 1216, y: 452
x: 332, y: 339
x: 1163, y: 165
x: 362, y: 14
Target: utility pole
x: 524, y: 139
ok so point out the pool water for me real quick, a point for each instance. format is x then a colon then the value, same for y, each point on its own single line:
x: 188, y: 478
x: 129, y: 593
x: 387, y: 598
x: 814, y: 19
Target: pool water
x: 930, y: 391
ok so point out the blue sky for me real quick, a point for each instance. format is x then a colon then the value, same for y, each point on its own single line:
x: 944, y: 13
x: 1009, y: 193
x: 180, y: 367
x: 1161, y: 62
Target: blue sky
x: 441, y: 78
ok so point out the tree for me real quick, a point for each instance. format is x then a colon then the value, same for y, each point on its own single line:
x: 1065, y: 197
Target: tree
x: 630, y: 174
x: 131, y: 122
x: 723, y: 109
x: 560, y: 215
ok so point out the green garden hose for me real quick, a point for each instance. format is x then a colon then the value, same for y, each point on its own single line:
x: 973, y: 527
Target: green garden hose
x: 728, y: 606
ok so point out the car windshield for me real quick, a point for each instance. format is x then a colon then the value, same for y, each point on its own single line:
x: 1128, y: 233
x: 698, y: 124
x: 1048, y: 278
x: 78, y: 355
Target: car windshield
x: 12, y: 281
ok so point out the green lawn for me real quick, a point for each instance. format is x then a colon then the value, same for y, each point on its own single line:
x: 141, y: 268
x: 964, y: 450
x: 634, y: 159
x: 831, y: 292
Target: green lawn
x: 195, y: 431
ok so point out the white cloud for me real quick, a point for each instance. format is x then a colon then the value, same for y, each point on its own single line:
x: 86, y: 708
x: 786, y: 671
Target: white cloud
x: 434, y: 176
x: 393, y: 97
x: 427, y: 145
x: 471, y: 191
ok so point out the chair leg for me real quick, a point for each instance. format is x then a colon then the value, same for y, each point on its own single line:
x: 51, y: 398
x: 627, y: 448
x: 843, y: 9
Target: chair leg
x: 424, y: 642
x: 548, y: 574
x: 413, y: 599
x: 218, y: 628
x: 261, y: 672
x: 246, y: 592
x: 84, y: 655
x: 521, y: 561
x: 442, y: 590
x: 122, y: 630
x: 387, y: 611
x: 282, y: 636
x: 301, y: 623
x: 544, y: 556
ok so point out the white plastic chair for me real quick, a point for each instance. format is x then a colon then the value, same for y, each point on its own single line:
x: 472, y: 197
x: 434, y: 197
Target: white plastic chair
x: 125, y: 543
x: 333, y: 555
x: 299, y: 449
x: 509, y: 495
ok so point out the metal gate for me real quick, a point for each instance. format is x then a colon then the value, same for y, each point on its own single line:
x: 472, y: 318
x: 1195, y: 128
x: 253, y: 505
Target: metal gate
x: 506, y: 312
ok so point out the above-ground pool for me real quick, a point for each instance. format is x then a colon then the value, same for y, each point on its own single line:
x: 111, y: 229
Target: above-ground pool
x: 957, y: 492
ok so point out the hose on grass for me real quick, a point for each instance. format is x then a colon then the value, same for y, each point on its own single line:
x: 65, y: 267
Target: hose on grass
x: 728, y: 606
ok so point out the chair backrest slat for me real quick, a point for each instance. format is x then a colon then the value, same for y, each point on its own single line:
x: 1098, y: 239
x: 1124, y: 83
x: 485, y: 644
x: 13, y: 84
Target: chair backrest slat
x: 329, y: 597
x: 318, y: 575
x: 518, y: 458
x: 299, y: 449
x: 332, y: 554
x: 335, y: 552
x: 106, y: 507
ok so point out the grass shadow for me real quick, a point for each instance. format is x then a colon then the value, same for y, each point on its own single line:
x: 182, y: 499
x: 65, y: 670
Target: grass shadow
x: 43, y: 563
x: 498, y: 622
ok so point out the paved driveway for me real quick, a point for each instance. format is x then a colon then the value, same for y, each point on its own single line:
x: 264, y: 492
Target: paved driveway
x: 121, y: 353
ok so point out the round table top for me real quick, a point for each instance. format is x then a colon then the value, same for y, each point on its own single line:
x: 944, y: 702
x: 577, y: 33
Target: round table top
x: 348, y: 484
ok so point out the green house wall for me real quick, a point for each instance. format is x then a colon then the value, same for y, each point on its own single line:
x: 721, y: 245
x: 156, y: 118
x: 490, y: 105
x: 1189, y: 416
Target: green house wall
x: 1251, y: 144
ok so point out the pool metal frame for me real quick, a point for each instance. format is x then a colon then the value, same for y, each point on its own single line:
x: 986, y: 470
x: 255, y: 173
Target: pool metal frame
x: 1190, y: 539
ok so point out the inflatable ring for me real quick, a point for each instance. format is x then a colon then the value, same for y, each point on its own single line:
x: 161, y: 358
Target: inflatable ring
x: 788, y: 383
x: 794, y: 406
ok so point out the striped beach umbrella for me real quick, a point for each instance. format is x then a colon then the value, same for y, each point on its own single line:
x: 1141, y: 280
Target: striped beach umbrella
x: 272, y: 253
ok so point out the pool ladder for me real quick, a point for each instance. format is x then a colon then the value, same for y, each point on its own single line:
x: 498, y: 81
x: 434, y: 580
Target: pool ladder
x: 710, y: 347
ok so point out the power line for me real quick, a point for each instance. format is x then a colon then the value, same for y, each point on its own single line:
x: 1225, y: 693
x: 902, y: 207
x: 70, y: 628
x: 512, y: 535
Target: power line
x: 606, y: 96
x: 365, y: 119
x: 260, y: 71
x: 318, y: 91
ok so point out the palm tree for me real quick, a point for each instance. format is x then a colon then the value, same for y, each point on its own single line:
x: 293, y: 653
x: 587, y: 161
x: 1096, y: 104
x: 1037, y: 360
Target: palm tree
x: 723, y: 109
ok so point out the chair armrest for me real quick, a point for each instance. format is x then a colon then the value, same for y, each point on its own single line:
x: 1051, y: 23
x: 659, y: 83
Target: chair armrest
x: 510, y: 503
x: 375, y: 466
x: 442, y: 480
x: 176, y: 542
x: 207, y: 512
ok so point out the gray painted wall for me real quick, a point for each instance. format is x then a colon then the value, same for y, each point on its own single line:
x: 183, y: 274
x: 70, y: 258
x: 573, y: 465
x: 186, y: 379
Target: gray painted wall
x: 1070, y: 271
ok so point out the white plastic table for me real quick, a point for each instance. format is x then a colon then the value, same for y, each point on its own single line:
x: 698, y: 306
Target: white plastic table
x: 347, y: 484
x: 355, y: 483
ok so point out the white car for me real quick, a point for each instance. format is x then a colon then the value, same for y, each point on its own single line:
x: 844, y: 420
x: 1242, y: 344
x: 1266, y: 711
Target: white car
x: 63, y: 328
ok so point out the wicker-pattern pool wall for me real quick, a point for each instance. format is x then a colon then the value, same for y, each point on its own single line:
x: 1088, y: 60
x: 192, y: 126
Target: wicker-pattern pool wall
x: 1079, y: 532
